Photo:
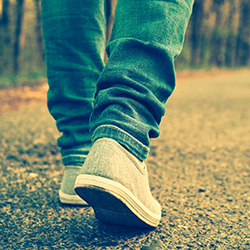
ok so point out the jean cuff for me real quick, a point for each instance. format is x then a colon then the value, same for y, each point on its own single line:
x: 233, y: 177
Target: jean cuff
x: 75, y: 155
x: 125, y: 139
x: 74, y: 160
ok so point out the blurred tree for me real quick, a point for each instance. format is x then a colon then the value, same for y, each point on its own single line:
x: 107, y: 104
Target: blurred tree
x: 196, y: 26
x: 243, y: 38
x: 218, y: 35
x: 110, y: 15
x: 38, y: 31
x: 19, y: 36
x: 5, y: 12
x: 205, y: 34
x: 217, y: 57
x: 231, y: 39
x: 5, y: 36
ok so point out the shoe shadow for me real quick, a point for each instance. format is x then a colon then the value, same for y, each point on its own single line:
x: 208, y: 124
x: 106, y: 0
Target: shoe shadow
x: 94, y: 234
x: 112, y: 235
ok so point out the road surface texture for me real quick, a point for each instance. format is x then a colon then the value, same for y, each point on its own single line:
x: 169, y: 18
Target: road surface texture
x: 199, y: 171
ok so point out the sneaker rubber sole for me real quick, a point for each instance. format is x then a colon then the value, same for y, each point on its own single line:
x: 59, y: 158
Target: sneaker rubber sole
x: 71, y: 199
x: 114, y: 203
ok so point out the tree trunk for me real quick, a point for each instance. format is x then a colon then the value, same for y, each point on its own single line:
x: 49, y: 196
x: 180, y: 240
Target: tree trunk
x: 5, y: 40
x: 19, y: 36
x: 231, y: 40
x: 110, y: 16
x: 243, y: 38
x: 197, y: 21
x: 38, y: 31
x: 5, y: 12
x: 217, y: 58
x: 205, y: 34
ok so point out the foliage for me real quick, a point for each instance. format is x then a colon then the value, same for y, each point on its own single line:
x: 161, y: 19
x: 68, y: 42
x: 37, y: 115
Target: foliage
x: 30, y: 51
x: 218, y: 35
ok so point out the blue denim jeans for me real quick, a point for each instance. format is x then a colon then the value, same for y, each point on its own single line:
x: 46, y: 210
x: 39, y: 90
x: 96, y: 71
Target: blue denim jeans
x: 124, y: 99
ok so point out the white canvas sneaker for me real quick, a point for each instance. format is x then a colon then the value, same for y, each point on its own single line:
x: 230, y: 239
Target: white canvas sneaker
x: 115, y: 183
x: 67, y: 193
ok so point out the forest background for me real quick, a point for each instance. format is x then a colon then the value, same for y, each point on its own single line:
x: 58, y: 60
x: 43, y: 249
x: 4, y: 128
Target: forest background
x: 218, y: 36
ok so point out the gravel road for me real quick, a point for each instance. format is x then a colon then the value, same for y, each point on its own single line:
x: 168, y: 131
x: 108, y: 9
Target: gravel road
x: 199, y: 171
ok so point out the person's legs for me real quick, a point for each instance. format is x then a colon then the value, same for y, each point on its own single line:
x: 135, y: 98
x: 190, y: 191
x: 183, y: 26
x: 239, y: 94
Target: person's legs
x: 74, y: 38
x: 130, y: 102
x: 139, y: 75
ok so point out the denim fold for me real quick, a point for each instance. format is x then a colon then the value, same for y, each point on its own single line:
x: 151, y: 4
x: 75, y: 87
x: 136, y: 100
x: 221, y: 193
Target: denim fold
x: 74, y: 35
x: 139, y: 76
x: 124, y: 99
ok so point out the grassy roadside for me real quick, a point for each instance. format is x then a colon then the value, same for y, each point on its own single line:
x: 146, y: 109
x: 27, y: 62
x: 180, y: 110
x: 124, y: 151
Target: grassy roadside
x: 15, y: 91
x: 23, y: 79
x: 38, y: 77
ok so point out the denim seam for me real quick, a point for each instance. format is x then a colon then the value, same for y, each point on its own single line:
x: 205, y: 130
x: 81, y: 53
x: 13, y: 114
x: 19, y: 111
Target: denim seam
x: 73, y: 158
x: 73, y: 155
x: 124, y: 132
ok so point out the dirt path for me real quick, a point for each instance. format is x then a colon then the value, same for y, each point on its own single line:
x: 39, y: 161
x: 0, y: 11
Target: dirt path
x: 199, y: 171
x: 14, y: 98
